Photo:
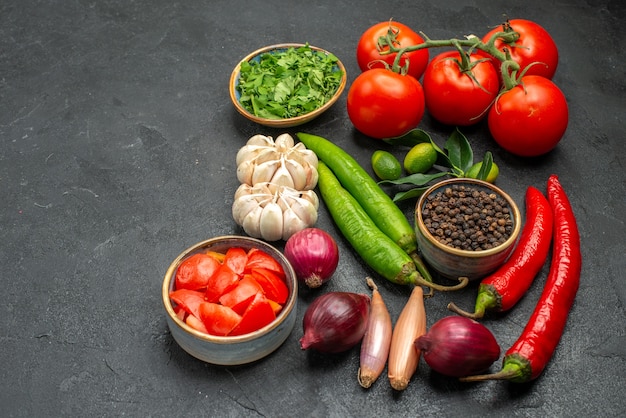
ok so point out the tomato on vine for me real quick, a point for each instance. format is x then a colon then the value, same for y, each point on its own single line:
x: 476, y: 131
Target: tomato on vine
x: 368, y: 53
x: 529, y: 119
x: 534, y: 46
x: 384, y: 104
x: 459, y: 87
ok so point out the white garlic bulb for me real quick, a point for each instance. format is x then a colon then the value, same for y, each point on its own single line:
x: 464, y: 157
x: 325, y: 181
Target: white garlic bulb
x: 280, y: 162
x: 273, y: 212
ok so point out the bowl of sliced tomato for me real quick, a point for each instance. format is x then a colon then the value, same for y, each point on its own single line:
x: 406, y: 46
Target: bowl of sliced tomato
x: 230, y: 300
x: 286, y: 85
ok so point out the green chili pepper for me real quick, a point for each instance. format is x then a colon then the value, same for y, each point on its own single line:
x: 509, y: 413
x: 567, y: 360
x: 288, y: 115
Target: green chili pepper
x: 376, y: 203
x: 379, y: 251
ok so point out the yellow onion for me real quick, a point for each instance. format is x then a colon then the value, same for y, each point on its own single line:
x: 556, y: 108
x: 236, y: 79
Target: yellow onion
x: 403, y: 354
x: 376, y: 341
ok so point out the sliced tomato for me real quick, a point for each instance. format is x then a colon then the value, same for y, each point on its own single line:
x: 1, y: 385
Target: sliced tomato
x: 236, y: 258
x: 240, y: 296
x: 195, y: 271
x: 273, y: 286
x: 189, y: 300
x: 180, y: 312
x: 258, y: 314
x: 260, y: 259
x: 218, y: 319
x: 196, y: 323
x: 221, y: 282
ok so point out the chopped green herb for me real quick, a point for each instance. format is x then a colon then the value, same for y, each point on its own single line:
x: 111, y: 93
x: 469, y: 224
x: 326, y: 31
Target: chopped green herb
x: 288, y: 83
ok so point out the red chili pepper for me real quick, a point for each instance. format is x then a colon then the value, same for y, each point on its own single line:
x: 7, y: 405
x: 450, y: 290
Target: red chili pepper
x: 530, y: 354
x: 501, y: 290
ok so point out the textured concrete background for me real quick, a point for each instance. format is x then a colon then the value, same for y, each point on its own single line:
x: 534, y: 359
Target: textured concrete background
x: 117, y: 151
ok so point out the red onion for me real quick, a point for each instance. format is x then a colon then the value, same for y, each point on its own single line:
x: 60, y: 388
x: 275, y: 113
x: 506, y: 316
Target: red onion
x: 314, y: 256
x: 335, y: 322
x: 458, y: 346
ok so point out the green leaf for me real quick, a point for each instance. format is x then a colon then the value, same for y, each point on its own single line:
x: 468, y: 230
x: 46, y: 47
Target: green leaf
x: 417, y: 179
x: 460, y: 151
x: 410, y: 139
x: 410, y: 194
x: 485, y: 168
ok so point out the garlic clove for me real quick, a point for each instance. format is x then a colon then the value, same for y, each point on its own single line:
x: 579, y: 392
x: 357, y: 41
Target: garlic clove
x: 282, y: 176
x: 262, y: 140
x: 244, y: 172
x: 271, y: 222
x: 298, y: 174
x: 251, y: 222
x: 243, y: 190
x: 292, y: 223
x: 284, y: 142
x: 263, y: 173
x: 242, y: 206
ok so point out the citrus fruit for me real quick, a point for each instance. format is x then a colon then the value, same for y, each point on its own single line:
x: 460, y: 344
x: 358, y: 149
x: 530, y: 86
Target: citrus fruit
x: 420, y: 158
x: 491, y: 176
x: 385, y: 165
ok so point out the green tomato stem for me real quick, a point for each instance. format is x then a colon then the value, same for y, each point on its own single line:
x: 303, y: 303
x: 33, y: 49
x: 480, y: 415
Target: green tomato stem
x: 472, y: 42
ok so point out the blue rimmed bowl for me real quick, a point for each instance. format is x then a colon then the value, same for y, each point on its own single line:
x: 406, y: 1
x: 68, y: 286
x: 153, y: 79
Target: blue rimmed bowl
x: 234, y: 350
x: 235, y: 95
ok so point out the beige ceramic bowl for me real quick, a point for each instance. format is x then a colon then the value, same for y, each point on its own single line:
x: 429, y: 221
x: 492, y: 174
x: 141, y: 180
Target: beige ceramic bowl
x: 289, y: 122
x: 237, y: 349
x: 452, y: 262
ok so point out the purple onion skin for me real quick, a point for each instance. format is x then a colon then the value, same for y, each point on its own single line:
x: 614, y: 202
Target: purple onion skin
x: 458, y: 346
x: 335, y: 322
x: 314, y: 256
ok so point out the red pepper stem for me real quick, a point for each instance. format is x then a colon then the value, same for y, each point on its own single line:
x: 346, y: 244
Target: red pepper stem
x: 514, y: 369
x: 487, y: 299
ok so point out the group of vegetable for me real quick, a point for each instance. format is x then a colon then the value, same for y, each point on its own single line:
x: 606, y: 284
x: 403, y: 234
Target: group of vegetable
x: 505, y: 76
x: 458, y: 345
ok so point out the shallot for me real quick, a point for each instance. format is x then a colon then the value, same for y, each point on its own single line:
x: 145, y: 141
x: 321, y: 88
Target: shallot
x: 403, y: 354
x: 314, y: 256
x: 458, y: 346
x: 376, y: 341
x: 335, y: 322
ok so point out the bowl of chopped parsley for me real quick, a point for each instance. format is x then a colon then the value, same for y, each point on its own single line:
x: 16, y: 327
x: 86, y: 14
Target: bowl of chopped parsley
x: 286, y: 85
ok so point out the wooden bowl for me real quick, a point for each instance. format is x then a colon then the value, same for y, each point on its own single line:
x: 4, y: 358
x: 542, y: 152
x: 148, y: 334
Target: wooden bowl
x: 287, y: 122
x: 452, y: 262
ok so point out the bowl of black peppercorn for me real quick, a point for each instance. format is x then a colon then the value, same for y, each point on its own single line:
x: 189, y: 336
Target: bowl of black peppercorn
x: 466, y: 227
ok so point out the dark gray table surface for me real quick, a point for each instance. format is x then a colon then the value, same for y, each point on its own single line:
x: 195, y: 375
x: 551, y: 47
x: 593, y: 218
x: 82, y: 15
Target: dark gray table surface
x: 117, y: 151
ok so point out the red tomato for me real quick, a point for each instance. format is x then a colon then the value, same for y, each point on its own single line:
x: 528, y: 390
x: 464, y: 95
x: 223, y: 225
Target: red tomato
x: 273, y: 286
x: 454, y: 97
x: 188, y: 300
x: 258, y: 314
x: 236, y: 258
x: 239, y: 297
x: 531, y: 118
x: 196, y: 324
x: 368, y: 56
x: 218, y: 320
x: 383, y: 104
x: 535, y: 45
x: 221, y: 282
x: 260, y: 259
x: 195, y: 271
